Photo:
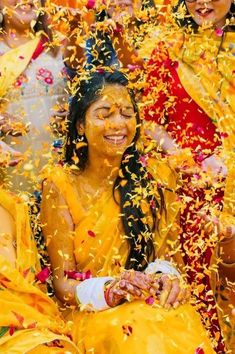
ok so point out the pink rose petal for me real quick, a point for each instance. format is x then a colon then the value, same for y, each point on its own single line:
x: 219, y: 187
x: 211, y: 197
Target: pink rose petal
x: 149, y: 300
x: 219, y: 32
x: 43, y: 275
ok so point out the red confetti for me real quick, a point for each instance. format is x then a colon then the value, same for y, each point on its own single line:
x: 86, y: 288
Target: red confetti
x: 26, y: 272
x: 11, y: 330
x: 32, y: 325
x: 43, y: 275
x: 127, y: 330
x: 219, y: 32
x: 91, y: 233
x: 20, y: 318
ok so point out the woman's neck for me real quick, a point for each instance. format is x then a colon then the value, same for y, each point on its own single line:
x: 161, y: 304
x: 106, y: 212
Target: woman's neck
x: 102, y: 171
x: 15, y: 38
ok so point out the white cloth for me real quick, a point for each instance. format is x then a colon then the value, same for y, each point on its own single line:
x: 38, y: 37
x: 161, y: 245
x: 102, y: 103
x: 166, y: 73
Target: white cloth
x: 90, y: 293
x: 162, y: 266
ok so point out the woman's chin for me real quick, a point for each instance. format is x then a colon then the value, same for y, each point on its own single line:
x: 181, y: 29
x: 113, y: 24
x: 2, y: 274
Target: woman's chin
x: 115, y: 150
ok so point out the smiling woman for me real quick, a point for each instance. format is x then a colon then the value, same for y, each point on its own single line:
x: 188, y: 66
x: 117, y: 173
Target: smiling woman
x: 111, y: 121
x: 209, y: 12
x: 116, y: 212
x: 217, y: 13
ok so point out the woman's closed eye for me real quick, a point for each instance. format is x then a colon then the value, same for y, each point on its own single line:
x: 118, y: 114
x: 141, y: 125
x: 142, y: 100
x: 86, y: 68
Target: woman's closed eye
x: 106, y: 112
x: 127, y: 112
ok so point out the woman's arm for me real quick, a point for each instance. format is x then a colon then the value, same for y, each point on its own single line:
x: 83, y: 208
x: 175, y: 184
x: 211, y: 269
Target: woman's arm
x: 7, y: 236
x: 58, y: 231
x: 162, y: 137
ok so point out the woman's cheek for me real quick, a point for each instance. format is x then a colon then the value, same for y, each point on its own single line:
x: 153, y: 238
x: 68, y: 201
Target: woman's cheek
x: 131, y: 127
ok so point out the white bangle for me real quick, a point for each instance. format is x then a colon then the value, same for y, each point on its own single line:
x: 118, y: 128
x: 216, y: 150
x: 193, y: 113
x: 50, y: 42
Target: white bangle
x: 90, y: 294
x: 162, y: 266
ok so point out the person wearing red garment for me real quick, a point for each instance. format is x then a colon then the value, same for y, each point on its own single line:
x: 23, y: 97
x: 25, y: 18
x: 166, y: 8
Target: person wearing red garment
x: 181, y: 96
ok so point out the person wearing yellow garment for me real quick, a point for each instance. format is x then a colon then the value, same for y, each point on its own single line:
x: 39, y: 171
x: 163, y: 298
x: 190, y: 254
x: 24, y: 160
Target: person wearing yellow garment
x: 30, y: 321
x: 32, y: 86
x: 113, y: 247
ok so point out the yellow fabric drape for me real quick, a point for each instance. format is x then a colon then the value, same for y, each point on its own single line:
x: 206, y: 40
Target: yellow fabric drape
x: 101, y: 247
x: 29, y: 318
x: 14, y: 62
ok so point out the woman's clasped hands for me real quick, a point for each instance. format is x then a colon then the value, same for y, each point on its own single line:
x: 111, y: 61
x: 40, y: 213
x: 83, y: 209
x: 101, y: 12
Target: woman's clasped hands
x: 163, y: 289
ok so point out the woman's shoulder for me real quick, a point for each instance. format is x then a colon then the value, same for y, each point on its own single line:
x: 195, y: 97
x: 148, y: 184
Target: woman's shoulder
x: 59, y: 174
x: 60, y: 182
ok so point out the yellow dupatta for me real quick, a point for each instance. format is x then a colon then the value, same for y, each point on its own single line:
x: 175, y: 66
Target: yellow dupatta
x: 29, y: 318
x: 14, y: 62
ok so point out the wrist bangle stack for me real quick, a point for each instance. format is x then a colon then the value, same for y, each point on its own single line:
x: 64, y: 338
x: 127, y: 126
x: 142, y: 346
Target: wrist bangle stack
x: 107, y: 288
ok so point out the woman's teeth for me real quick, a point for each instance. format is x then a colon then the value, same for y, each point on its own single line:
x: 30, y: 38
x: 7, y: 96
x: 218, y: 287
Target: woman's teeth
x: 204, y: 12
x: 115, y: 138
x: 25, y: 6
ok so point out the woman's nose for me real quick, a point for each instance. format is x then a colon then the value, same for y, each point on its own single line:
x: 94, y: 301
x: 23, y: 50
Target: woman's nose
x: 117, y: 120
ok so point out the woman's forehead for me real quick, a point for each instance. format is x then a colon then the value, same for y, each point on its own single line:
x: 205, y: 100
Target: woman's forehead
x: 115, y: 94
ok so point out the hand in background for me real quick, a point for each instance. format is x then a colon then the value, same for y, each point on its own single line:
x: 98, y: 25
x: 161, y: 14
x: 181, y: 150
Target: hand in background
x: 10, y: 125
x: 215, y: 166
x: 9, y: 156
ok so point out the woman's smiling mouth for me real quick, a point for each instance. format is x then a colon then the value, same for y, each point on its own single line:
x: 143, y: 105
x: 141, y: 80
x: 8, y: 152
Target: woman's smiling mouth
x: 204, y: 12
x: 25, y: 6
x: 115, y: 139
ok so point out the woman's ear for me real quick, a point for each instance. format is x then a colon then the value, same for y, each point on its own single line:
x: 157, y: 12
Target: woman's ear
x: 80, y: 128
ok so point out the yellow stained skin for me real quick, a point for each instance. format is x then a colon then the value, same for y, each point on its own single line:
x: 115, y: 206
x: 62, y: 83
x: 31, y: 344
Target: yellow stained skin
x: 111, y: 114
x: 219, y: 10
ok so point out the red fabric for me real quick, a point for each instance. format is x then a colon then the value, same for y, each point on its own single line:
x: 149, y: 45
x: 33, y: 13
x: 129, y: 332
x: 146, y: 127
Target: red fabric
x: 183, y: 118
x: 39, y: 49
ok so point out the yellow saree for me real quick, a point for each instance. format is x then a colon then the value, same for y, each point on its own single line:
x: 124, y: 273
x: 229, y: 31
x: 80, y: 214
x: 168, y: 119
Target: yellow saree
x: 29, y: 320
x: 100, y: 247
